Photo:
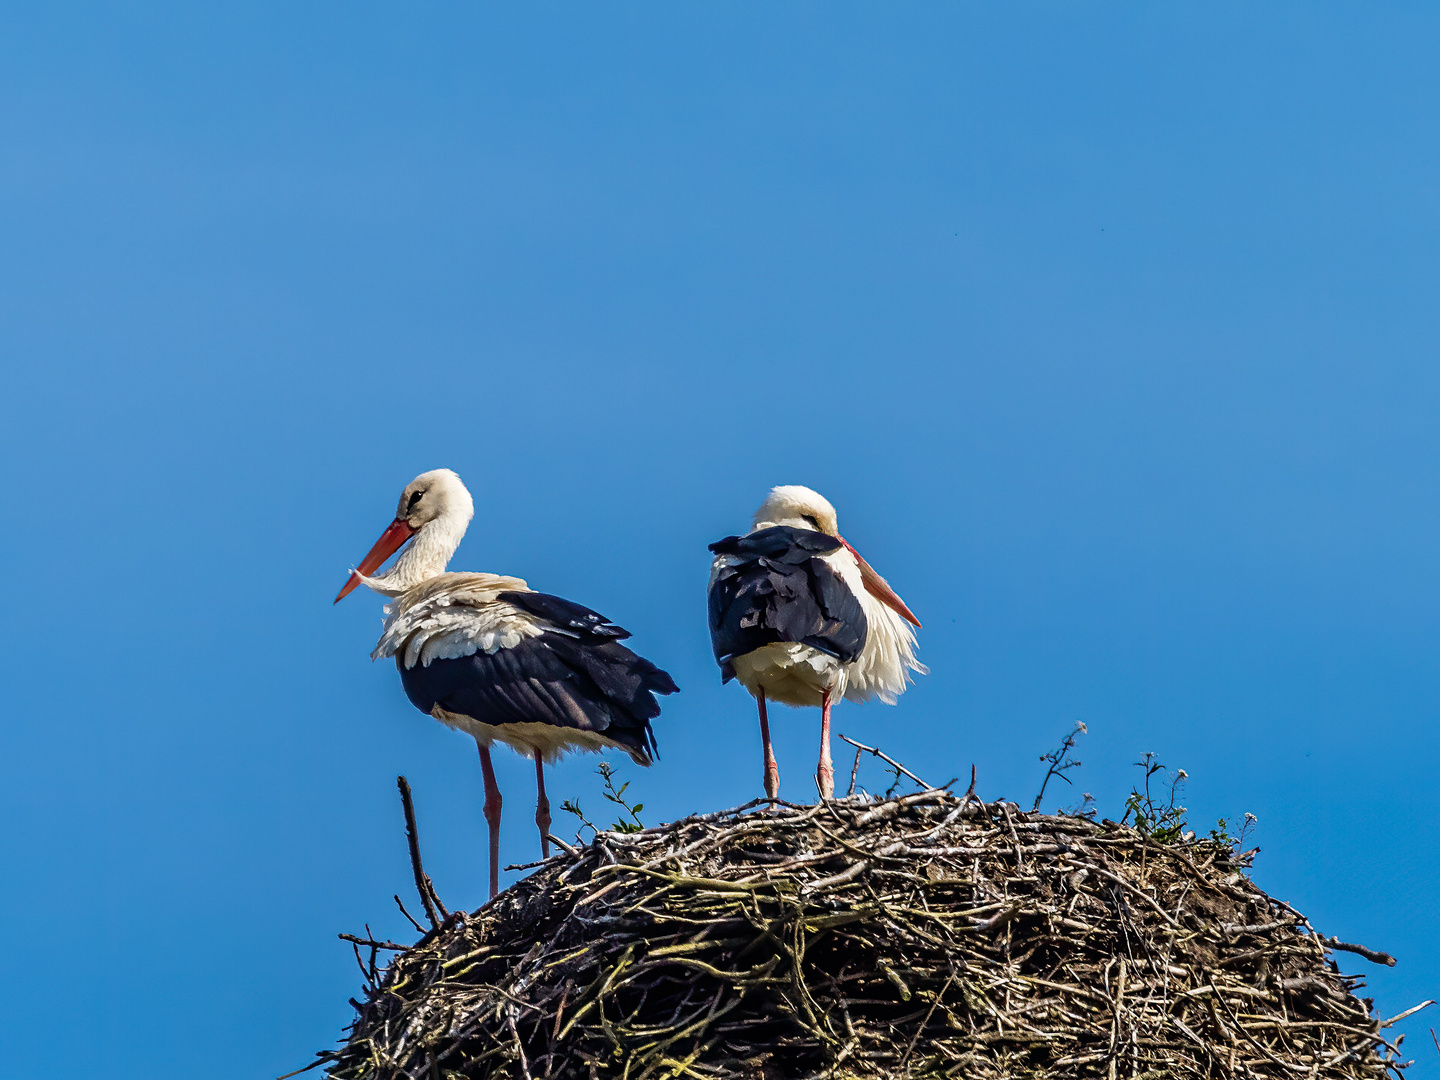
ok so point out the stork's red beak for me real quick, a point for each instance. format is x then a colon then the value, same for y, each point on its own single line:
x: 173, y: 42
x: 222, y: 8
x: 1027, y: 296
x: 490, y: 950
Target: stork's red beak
x: 879, y: 588
x: 389, y: 542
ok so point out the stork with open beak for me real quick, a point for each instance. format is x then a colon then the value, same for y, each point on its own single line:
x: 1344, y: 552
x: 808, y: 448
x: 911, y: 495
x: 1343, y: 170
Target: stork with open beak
x: 797, y: 616
x: 490, y: 656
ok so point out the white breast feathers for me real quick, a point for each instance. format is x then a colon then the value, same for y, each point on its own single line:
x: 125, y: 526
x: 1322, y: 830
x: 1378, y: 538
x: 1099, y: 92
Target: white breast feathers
x: 884, y: 665
x: 453, y: 615
x: 888, y: 657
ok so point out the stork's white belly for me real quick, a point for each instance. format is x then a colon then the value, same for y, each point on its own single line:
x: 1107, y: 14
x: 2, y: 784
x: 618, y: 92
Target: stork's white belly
x: 550, y: 742
x: 790, y: 673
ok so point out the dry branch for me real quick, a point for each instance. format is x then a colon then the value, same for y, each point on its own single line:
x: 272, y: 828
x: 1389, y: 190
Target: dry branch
x: 423, y: 885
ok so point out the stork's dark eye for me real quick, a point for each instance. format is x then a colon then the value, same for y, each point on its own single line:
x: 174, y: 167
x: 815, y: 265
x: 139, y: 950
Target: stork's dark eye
x: 813, y: 523
x: 414, y: 498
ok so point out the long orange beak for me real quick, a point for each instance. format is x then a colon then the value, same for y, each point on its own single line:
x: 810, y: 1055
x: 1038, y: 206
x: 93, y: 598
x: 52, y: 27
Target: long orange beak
x: 389, y: 542
x: 879, y: 588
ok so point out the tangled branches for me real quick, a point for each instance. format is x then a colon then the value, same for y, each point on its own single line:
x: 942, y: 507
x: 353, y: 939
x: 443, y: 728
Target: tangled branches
x: 926, y: 935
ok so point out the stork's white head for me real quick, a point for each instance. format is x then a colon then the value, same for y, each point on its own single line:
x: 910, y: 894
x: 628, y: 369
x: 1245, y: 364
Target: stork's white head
x: 435, y: 509
x: 801, y: 508
x: 432, y: 495
x: 798, y: 507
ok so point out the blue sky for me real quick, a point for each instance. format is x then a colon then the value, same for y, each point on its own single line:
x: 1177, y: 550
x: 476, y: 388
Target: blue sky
x: 1110, y: 331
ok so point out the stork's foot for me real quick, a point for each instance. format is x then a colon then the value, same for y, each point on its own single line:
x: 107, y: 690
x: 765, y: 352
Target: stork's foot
x: 825, y: 780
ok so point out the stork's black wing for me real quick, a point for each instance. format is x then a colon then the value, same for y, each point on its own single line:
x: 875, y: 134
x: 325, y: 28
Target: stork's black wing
x: 575, y: 674
x: 567, y: 616
x: 778, y: 588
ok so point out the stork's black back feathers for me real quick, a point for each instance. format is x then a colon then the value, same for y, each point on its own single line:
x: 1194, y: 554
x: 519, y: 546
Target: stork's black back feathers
x: 575, y: 674
x: 778, y: 588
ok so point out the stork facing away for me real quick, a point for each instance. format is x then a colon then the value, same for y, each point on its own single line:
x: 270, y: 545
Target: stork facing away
x: 797, y: 616
x: 490, y: 656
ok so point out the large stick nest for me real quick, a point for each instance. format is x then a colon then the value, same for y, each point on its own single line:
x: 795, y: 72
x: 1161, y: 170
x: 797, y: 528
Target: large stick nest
x: 919, y: 936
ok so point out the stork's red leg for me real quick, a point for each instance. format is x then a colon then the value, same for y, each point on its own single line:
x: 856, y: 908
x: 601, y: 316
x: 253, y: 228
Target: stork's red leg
x: 542, y: 807
x: 772, y: 768
x: 825, y: 772
x: 492, y: 815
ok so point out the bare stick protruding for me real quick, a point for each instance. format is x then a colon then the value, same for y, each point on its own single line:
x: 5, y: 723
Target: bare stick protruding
x: 423, y: 885
x: 1374, y: 956
x: 888, y: 761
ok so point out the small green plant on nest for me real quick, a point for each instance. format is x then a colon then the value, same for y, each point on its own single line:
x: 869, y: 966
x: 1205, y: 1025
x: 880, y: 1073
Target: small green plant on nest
x: 1235, y: 842
x: 1152, y: 808
x: 1154, y: 815
x: 614, y: 795
x: 617, y: 796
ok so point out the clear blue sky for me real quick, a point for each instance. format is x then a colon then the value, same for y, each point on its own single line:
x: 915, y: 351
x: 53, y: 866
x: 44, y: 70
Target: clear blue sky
x: 1110, y: 330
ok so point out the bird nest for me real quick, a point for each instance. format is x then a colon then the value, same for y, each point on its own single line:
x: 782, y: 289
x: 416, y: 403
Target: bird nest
x: 926, y: 935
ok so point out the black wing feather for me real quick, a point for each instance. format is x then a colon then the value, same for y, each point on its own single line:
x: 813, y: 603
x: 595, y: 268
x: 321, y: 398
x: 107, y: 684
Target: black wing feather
x: 576, y: 674
x: 565, y: 614
x: 780, y: 589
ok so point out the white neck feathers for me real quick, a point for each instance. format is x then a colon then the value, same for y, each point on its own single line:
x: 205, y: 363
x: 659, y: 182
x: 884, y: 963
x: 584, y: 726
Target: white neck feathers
x: 427, y: 554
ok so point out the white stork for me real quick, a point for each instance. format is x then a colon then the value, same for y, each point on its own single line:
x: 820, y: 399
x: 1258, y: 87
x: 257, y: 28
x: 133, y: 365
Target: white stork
x: 797, y: 616
x: 490, y: 656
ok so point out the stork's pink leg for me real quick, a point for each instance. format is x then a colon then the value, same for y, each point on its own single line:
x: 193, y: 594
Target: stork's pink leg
x: 772, y: 768
x: 492, y: 815
x: 542, y: 807
x: 825, y: 772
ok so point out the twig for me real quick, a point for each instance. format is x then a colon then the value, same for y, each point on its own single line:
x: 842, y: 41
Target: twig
x: 372, y: 943
x: 1408, y: 1012
x: 401, y: 906
x: 925, y: 1023
x: 519, y: 1046
x: 423, y: 885
x: 970, y: 795
x: 888, y: 760
x: 1359, y: 950
x: 320, y: 1059
x: 364, y: 972
x: 854, y: 771
x: 563, y: 846
x: 1058, y: 765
